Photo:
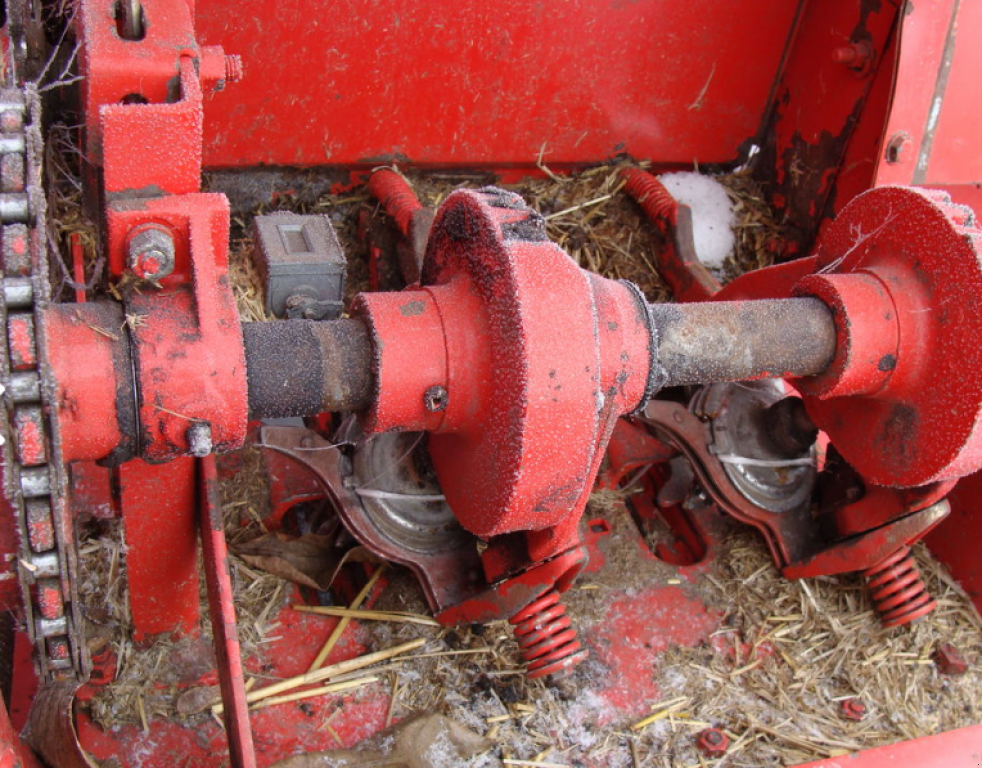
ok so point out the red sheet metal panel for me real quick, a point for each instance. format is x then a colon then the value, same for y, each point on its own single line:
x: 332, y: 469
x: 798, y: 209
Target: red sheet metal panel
x: 952, y: 749
x: 923, y: 36
x: 956, y: 157
x: 958, y: 540
x: 472, y: 82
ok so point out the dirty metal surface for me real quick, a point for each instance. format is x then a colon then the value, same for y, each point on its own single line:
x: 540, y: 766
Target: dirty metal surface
x: 483, y: 327
x: 901, y: 430
x: 592, y: 80
x: 221, y: 608
x: 622, y: 639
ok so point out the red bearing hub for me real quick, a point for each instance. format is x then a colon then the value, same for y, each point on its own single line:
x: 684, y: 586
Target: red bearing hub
x: 902, y: 399
x: 519, y: 413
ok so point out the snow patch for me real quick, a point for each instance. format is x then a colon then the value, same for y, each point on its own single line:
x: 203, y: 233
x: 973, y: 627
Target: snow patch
x: 712, y: 214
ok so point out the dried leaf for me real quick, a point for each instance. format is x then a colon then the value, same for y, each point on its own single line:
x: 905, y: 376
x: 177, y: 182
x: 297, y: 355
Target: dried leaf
x: 312, y: 560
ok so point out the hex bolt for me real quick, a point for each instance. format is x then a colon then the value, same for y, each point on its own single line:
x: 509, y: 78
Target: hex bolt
x: 857, y: 56
x: 853, y: 709
x: 199, y: 439
x: 435, y: 399
x: 151, y: 252
x: 949, y: 660
x: 712, y: 742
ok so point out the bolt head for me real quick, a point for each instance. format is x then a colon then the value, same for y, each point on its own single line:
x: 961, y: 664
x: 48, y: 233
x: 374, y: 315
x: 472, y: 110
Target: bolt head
x: 199, y: 439
x: 712, y: 742
x: 435, y: 399
x: 151, y: 252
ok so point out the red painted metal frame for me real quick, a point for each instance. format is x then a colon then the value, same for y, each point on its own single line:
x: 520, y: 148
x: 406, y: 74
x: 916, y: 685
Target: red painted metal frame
x: 471, y: 83
x: 159, y: 504
x: 187, y: 341
x: 816, y: 109
x: 145, y: 147
x: 482, y: 330
x: 920, y: 68
x: 13, y: 752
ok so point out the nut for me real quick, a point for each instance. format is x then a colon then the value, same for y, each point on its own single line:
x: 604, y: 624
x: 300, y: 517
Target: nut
x: 151, y: 252
x: 949, y: 660
x: 853, y: 709
x: 712, y: 742
x: 435, y: 399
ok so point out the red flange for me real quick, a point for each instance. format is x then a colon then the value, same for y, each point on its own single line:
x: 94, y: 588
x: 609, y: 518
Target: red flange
x: 519, y: 413
x: 902, y: 401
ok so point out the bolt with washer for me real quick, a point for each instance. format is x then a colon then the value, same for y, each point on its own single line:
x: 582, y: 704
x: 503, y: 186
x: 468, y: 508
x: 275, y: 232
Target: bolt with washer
x: 713, y: 742
x: 151, y: 252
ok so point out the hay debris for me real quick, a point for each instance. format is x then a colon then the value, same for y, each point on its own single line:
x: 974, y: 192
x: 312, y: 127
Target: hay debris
x: 149, y: 681
x: 785, y: 655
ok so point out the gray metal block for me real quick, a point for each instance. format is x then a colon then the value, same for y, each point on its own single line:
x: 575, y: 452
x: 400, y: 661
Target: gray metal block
x: 302, y: 265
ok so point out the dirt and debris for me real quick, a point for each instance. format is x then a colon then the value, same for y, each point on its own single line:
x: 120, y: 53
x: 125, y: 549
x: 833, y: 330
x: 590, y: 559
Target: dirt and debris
x: 149, y: 680
x: 772, y: 675
x: 588, y: 214
x: 425, y: 740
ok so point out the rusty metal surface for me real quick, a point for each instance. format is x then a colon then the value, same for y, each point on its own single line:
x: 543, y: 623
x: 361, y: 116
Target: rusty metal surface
x: 302, y: 367
x: 732, y: 341
x: 51, y: 727
x: 869, y: 549
x: 806, y: 136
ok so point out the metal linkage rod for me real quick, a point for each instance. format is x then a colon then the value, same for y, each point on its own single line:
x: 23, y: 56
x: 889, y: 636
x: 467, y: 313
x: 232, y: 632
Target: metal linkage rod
x: 705, y: 342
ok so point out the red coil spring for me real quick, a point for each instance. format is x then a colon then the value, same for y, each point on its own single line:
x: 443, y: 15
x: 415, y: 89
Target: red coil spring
x: 547, y: 638
x: 899, y: 594
x: 656, y: 201
x: 396, y: 196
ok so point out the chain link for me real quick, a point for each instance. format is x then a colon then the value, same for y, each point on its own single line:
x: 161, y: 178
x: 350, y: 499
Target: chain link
x: 34, y: 476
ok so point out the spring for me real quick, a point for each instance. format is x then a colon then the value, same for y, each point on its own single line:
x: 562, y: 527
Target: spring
x: 651, y: 194
x: 547, y: 638
x: 396, y: 196
x: 899, y: 594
